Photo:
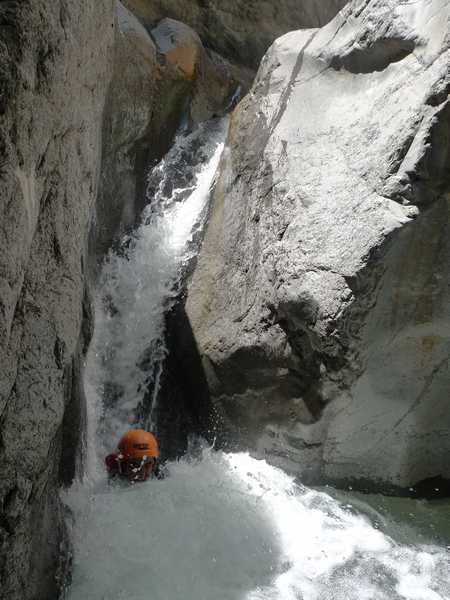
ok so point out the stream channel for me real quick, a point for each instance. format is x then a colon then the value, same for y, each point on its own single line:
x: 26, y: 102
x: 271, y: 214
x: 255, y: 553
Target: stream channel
x: 220, y: 526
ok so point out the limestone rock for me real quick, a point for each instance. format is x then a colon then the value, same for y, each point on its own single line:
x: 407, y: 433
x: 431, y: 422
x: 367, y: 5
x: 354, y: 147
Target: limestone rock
x: 320, y: 303
x: 239, y: 30
x: 53, y: 78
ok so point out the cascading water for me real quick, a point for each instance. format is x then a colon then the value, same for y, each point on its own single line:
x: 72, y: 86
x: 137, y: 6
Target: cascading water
x: 140, y: 281
x: 221, y: 526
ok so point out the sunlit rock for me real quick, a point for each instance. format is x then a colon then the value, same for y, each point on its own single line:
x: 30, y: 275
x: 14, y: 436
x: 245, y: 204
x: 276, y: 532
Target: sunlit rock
x: 180, y: 44
x: 212, y: 79
x: 320, y: 303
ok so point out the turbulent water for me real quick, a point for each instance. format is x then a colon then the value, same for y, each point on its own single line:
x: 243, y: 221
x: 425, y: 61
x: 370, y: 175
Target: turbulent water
x: 141, y: 280
x: 229, y: 527
x: 220, y: 526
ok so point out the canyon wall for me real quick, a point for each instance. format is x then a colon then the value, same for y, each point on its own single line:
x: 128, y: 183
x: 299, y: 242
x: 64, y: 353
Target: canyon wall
x: 320, y: 302
x: 89, y: 98
x: 319, y: 305
x: 177, y: 62
x: 55, y: 68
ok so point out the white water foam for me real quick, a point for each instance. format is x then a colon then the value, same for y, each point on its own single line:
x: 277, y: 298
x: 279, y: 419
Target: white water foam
x: 139, y: 282
x: 230, y: 527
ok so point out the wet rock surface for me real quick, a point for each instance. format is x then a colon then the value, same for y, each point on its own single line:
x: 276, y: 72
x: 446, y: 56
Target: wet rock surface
x: 183, y: 400
x: 320, y: 299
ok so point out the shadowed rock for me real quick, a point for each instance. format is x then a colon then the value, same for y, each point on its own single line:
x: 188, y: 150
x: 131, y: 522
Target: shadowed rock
x: 53, y: 79
x: 239, y: 30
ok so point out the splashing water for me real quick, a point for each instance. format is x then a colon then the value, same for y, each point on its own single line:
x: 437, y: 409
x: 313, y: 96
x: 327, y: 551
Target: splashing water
x: 230, y: 527
x: 221, y: 526
x: 140, y: 281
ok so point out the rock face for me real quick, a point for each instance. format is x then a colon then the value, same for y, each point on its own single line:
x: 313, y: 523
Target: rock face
x: 53, y: 79
x: 240, y: 30
x: 159, y: 80
x: 320, y: 303
x: 128, y: 113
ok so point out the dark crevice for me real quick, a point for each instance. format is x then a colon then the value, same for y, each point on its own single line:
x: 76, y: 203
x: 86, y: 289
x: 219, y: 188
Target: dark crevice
x: 184, y: 400
x: 73, y: 428
x: 376, y: 57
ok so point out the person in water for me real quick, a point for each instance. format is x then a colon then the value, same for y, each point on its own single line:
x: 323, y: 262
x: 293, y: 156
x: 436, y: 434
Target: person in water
x: 136, y: 457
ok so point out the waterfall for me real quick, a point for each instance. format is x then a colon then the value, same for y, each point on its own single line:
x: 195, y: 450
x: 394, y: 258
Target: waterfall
x: 220, y: 526
x: 139, y: 282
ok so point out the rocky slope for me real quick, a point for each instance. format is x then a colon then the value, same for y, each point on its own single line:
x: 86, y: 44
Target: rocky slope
x: 55, y: 67
x: 320, y: 303
x: 240, y: 30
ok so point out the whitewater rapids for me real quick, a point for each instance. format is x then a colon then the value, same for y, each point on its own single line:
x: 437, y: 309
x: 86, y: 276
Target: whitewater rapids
x: 230, y: 527
x: 219, y: 526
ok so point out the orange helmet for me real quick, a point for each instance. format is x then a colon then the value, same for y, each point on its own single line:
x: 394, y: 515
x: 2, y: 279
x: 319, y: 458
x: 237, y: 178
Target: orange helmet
x: 138, y: 444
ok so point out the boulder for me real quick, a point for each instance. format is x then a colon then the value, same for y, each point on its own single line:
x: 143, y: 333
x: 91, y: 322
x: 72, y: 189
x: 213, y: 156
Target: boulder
x: 213, y: 82
x: 180, y: 45
x: 55, y: 67
x: 320, y: 302
x: 239, y: 30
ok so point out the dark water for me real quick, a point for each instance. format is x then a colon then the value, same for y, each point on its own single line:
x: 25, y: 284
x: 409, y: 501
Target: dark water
x: 406, y: 520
